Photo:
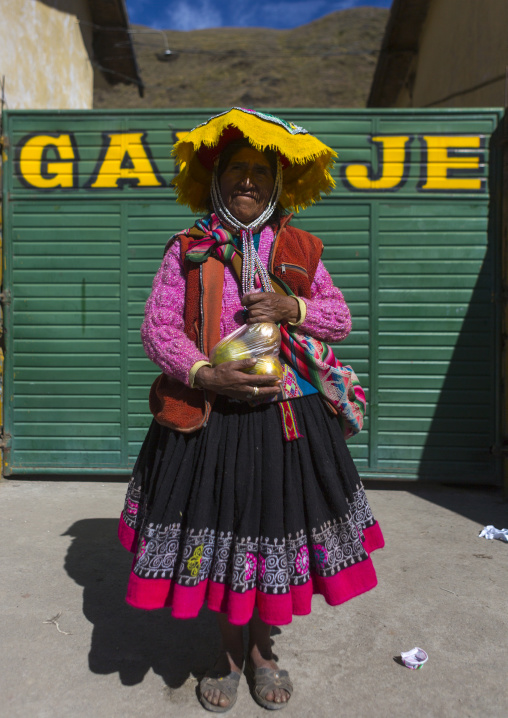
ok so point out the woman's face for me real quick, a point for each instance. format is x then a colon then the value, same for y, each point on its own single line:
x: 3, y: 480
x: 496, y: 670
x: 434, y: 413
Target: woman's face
x: 246, y: 184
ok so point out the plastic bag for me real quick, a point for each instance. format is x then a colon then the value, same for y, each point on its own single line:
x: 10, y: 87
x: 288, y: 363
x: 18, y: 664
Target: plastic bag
x: 259, y: 341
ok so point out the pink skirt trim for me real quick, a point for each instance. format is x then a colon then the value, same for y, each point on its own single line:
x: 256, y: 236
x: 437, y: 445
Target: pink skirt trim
x: 128, y: 537
x: 274, y: 609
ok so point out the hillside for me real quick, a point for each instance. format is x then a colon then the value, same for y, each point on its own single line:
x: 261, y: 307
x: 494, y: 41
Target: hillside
x: 327, y: 63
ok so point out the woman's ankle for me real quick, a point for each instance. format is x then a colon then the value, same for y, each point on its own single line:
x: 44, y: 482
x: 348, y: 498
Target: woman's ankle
x: 259, y: 654
x: 235, y: 658
x: 231, y: 642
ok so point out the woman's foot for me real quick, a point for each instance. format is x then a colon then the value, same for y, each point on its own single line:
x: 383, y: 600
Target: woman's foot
x: 271, y: 685
x: 218, y: 688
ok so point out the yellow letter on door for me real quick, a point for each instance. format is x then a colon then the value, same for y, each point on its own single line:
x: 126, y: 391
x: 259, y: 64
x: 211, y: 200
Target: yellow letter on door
x: 452, y: 164
x: 47, y: 161
x: 392, y: 166
x: 125, y: 160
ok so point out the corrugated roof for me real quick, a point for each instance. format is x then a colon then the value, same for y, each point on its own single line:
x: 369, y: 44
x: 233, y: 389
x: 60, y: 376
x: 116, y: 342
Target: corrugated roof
x: 112, y: 43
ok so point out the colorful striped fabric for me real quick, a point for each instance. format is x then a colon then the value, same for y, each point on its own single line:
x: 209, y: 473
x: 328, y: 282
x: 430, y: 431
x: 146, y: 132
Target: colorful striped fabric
x: 339, y: 384
x: 288, y: 419
x: 217, y: 242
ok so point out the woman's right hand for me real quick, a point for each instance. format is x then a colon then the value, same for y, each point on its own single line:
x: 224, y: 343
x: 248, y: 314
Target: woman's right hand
x: 229, y: 379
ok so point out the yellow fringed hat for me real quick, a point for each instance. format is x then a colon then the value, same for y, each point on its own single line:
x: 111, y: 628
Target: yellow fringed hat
x: 306, y: 161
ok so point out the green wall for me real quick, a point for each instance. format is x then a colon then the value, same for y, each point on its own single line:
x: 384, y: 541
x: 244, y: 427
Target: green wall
x: 411, y: 236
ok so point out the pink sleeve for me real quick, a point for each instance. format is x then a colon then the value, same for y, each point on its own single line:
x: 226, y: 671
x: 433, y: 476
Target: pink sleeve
x: 162, y: 331
x: 328, y: 316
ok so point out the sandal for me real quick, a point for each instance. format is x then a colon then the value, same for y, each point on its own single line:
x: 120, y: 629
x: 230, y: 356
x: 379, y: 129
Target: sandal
x: 266, y: 680
x: 228, y: 685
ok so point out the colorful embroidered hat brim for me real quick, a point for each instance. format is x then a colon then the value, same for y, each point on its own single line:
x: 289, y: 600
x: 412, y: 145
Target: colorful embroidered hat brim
x: 306, y: 160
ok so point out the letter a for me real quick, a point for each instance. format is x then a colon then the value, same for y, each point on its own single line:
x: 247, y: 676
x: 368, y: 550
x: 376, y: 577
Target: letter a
x: 125, y: 160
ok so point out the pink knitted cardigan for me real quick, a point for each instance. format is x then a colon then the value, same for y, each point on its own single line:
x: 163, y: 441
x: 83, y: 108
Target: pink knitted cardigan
x: 162, y: 331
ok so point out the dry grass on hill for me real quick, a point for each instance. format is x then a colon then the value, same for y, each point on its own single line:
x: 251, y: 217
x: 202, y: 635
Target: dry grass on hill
x: 328, y: 63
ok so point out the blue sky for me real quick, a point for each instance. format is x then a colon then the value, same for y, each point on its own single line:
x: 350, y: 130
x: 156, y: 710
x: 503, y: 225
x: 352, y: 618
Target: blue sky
x: 200, y: 14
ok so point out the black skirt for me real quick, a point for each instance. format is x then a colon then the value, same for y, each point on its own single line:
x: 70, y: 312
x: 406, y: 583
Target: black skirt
x: 237, y: 516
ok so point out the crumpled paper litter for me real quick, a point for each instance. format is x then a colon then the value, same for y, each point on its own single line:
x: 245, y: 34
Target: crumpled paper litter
x: 490, y: 532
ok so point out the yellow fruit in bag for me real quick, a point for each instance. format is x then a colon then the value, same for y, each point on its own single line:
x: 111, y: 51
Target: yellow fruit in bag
x: 259, y: 341
x: 266, y: 365
x: 233, y: 350
x: 263, y: 338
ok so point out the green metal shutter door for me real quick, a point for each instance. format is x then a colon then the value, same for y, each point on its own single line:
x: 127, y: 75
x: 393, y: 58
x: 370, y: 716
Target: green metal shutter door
x: 437, y: 340
x: 345, y: 230
x: 418, y: 271
x: 422, y: 292
x: 149, y: 227
x: 64, y: 342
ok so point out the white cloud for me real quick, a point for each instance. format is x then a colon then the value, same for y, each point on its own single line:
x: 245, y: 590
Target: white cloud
x: 192, y: 15
x: 201, y: 14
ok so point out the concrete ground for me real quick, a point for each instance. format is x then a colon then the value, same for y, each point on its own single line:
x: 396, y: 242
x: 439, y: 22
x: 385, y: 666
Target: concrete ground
x: 440, y: 588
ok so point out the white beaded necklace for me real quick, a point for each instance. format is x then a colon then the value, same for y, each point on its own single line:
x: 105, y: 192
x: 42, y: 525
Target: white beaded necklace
x: 251, y: 261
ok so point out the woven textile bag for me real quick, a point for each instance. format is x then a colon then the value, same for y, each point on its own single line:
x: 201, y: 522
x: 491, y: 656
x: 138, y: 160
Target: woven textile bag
x: 337, y: 383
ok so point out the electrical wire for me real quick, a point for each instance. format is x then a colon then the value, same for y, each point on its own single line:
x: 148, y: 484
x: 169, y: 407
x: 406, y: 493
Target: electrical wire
x: 268, y: 55
x: 247, y: 51
x: 127, y: 78
x: 467, y: 90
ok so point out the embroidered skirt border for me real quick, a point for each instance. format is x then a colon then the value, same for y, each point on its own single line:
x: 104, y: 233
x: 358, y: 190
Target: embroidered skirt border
x: 186, y: 601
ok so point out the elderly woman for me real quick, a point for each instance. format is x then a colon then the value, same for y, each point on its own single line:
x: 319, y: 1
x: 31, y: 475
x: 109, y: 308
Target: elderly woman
x: 244, y: 495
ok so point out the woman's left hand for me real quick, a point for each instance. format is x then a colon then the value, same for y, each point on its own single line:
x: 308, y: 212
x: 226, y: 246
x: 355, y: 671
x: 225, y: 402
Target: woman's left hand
x: 271, y: 307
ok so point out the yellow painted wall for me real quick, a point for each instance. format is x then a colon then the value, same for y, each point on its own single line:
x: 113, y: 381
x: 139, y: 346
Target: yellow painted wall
x: 463, y: 45
x: 45, y: 54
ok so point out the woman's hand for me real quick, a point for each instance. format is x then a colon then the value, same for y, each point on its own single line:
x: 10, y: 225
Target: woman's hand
x: 271, y: 307
x: 228, y: 379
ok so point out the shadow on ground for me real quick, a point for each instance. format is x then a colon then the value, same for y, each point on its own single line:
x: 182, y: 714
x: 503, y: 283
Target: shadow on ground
x: 130, y: 642
x: 482, y: 504
x: 125, y: 640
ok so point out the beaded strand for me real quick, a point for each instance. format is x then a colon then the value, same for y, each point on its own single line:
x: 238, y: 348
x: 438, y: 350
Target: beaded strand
x: 251, y: 261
